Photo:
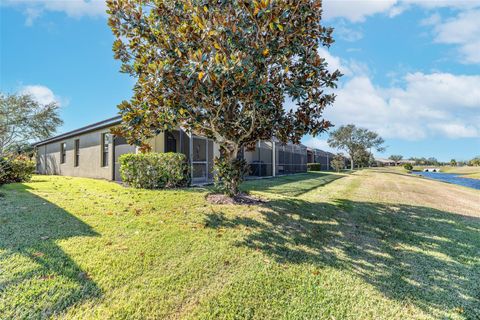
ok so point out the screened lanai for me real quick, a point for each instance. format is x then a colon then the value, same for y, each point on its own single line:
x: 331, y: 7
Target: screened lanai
x: 275, y: 158
x: 266, y: 160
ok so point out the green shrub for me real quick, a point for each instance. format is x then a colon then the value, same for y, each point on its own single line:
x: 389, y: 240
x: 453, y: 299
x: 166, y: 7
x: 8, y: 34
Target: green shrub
x: 408, y: 166
x: 155, y: 170
x: 314, y: 167
x: 18, y: 169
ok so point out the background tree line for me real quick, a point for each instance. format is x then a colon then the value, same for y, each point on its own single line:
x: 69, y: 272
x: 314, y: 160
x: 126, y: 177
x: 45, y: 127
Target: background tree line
x: 23, y: 120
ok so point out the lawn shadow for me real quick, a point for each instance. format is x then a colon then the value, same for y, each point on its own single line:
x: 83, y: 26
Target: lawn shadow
x: 39, y: 279
x: 413, y: 254
x: 291, y: 185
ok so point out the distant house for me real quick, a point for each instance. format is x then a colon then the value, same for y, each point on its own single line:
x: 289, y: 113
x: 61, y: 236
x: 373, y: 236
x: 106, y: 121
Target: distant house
x: 388, y: 162
x: 379, y: 162
x: 93, y: 152
x: 402, y: 162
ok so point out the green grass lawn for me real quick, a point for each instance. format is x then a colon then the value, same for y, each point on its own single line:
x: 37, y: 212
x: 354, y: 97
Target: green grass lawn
x: 375, y: 244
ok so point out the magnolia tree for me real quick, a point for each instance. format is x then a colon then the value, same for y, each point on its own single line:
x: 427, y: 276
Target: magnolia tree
x: 355, y: 141
x: 223, y: 69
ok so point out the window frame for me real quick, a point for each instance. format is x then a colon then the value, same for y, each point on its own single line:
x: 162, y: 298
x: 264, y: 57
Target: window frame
x: 63, y: 152
x: 104, y: 149
x: 76, y: 152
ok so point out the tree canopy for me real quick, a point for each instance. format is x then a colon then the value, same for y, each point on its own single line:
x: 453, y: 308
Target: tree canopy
x: 475, y: 161
x: 355, y: 141
x: 23, y: 120
x: 223, y: 69
x: 338, y: 162
x: 395, y: 157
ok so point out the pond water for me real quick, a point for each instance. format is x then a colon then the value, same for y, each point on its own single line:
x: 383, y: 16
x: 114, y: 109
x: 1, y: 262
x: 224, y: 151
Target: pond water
x: 451, y: 178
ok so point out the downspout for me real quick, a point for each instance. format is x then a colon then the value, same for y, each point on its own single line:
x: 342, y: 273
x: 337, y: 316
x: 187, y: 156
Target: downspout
x: 190, y: 156
x: 274, y: 158
x: 112, y: 157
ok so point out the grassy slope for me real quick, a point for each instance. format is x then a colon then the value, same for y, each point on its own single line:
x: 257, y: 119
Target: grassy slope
x: 467, y: 172
x: 370, y: 245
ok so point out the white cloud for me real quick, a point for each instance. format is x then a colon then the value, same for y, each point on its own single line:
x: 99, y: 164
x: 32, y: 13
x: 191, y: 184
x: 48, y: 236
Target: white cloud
x: 456, y: 130
x: 346, y: 67
x: 317, y: 143
x: 359, y: 10
x: 355, y: 10
x: 462, y: 30
x: 72, y: 8
x: 346, y: 33
x: 425, y: 105
x: 41, y: 94
x: 431, y: 20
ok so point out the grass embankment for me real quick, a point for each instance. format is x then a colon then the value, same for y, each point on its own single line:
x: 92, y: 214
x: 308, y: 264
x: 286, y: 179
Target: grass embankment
x: 467, y: 172
x: 372, y: 245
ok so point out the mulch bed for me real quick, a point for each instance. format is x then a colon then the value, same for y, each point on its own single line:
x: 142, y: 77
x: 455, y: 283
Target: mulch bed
x: 242, y: 198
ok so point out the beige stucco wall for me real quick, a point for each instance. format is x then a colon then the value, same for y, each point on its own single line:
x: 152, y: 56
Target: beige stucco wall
x: 158, y: 143
x: 90, y: 164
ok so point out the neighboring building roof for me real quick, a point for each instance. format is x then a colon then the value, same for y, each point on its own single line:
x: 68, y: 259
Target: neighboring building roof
x: 407, y: 161
x: 384, y: 160
x: 92, y: 127
x: 321, y: 152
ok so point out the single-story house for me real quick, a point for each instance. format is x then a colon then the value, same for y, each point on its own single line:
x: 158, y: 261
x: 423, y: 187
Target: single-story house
x: 389, y: 163
x: 93, y: 152
x: 380, y: 162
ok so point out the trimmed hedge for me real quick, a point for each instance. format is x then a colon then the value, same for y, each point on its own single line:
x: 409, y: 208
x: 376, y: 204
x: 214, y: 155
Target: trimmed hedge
x: 408, y: 166
x: 155, y: 170
x: 19, y: 169
x: 314, y: 167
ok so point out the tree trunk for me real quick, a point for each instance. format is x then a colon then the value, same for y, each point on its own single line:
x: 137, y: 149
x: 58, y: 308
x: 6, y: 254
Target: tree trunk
x: 351, y: 163
x: 230, y: 170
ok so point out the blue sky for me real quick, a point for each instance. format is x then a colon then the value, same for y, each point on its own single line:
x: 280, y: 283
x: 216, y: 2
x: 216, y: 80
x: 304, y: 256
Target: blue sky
x: 412, y: 68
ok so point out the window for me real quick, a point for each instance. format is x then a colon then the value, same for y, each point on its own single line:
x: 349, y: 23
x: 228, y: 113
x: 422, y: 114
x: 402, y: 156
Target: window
x: 63, y: 152
x: 105, y: 139
x: 77, y: 152
x: 170, y: 142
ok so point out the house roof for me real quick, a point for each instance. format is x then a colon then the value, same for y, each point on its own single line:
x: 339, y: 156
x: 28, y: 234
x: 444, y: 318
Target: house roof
x: 384, y: 160
x: 92, y: 127
x: 321, y: 152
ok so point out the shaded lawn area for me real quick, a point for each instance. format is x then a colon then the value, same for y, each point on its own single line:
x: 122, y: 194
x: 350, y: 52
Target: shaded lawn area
x: 292, y: 185
x: 325, y: 246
